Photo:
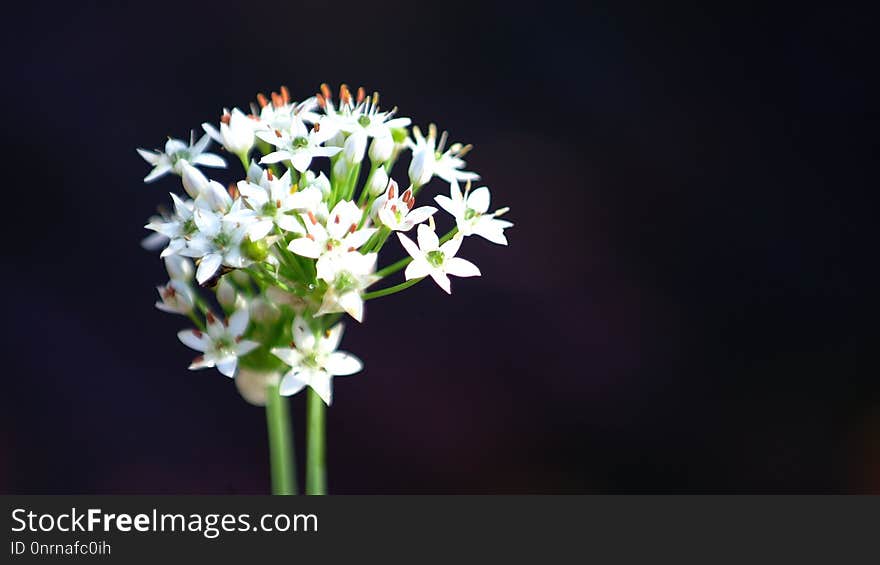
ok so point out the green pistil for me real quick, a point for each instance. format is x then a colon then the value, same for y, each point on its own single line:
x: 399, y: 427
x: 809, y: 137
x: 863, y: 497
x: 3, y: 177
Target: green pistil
x: 435, y: 258
x: 470, y: 214
x: 222, y: 239
x: 190, y: 227
x: 269, y: 209
x: 311, y: 360
x: 344, y: 282
x: 300, y: 142
x: 364, y: 121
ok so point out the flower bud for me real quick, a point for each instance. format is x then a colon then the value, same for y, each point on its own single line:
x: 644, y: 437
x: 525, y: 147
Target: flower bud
x: 238, y: 136
x: 226, y: 294
x: 355, y: 147
x: 381, y: 149
x: 378, y: 182
x: 254, y: 250
x: 216, y: 197
x: 179, y: 268
x: 338, y: 140
x: 194, y: 181
x: 322, y: 182
x: 340, y: 169
x: 420, y: 168
x: 263, y: 311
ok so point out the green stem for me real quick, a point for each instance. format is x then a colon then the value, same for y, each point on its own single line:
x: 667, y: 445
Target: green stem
x: 316, y: 451
x: 243, y: 157
x: 281, y: 457
x: 391, y: 289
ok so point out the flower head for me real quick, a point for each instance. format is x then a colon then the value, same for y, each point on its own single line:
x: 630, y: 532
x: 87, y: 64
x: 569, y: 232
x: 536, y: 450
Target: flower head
x: 397, y: 211
x: 176, y: 297
x: 298, y: 144
x: 178, y: 152
x: 222, y: 344
x: 470, y: 212
x: 217, y: 242
x: 236, y: 132
x: 272, y: 199
x: 430, y: 160
x: 339, y: 235
x: 348, y: 275
x: 314, y: 361
x: 432, y: 258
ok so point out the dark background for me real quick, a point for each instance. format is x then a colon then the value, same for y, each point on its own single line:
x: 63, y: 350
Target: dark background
x: 683, y: 306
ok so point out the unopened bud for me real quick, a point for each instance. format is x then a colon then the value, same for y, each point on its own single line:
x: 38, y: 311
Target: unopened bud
x: 254, y: 250
x: 216, y: 196
x: 378, y: 182
x: 420, y: 171
x: 226, y: 294
x: 340, y: 169
x: 179, y: 268
x: 381, y: 149
x: 355, y: 147
x: 194, y: 181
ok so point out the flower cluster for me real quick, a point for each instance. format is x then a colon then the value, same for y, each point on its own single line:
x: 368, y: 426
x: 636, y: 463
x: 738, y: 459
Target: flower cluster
x: 294, y: 246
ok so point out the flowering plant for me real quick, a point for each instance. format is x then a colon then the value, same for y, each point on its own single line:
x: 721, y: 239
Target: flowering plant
x: 289, y: 250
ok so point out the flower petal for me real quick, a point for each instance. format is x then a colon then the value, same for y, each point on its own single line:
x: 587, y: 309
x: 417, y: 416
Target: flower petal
x: 427, y: 239
x: 417, y: 269
x: 289, y: 355
x: 478, y: 200
x: 340, y: 363
x: 461, y: 267
x: 208, y: 267
x: 291, y: 384
x: 194, y: 339
x: 442, y: 281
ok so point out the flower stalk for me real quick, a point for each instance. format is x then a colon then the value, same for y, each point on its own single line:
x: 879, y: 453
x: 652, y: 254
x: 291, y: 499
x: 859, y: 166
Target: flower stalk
x: 281, y: 454
x: 316, y: 445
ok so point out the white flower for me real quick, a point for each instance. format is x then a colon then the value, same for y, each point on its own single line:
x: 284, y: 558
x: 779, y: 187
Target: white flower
x: 470, y: 214
x: 236, y: 133
x: 340, y: 235
x: 365, y: 120
x: 429, y: 159
x: 353, y: 274
x: 272, y: 199
x: 177, y: 228
x: 298, y: 145
x: 431, y: 258
x: 178, y: 152
x: 222, y: 344
x: 314, y: 361
x: 279, y: 113
x: 177, y: 297
x: 397, y: 213
x: 217, y: 242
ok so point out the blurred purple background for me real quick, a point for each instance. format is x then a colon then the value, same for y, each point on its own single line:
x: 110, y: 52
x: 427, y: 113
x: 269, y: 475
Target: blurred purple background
x: 682, y: 308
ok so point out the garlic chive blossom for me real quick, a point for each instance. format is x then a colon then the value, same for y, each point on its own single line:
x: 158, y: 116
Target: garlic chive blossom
x: 178, y: 152
x: 283, y: 247
x: 432, y: 258
x: 221, y: 345
x: 470, y: 213
x: 314, y: 361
